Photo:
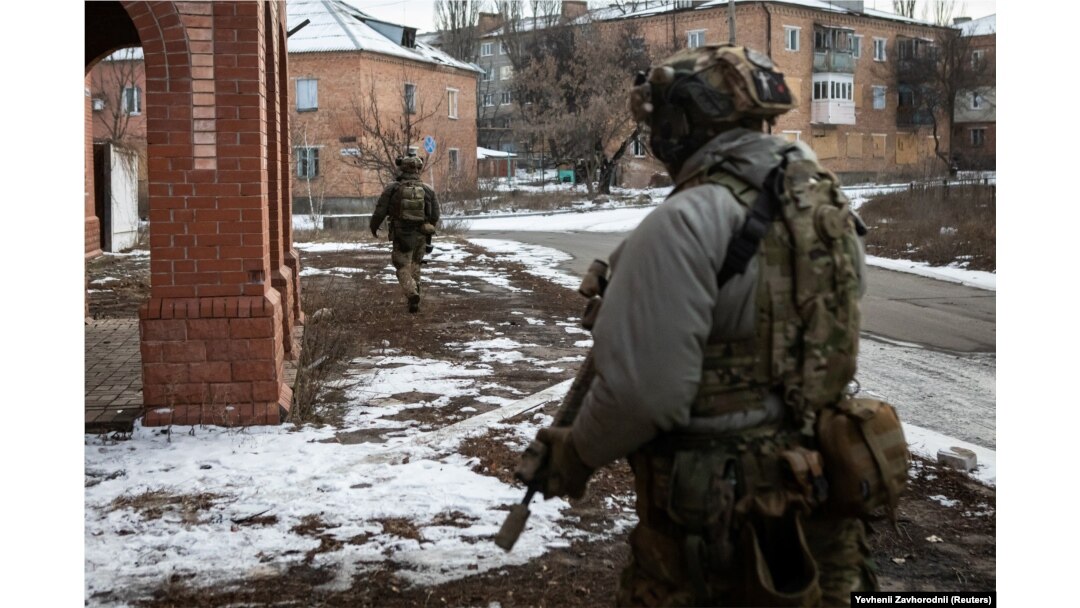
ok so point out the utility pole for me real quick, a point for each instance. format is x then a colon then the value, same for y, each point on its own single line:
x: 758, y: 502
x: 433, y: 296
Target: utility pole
x: 731, y: 21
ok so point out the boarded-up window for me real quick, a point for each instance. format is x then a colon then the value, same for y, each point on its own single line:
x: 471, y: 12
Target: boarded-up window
x: 907, y: 151
x: 858, y: 97
x: 795, y: 86
x: 880, y: 144
x: 791, y: 135
x: 824, y: 144
x: 854, y: 145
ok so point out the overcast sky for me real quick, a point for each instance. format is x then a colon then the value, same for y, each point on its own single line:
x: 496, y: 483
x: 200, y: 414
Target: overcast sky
x: 421, y: 13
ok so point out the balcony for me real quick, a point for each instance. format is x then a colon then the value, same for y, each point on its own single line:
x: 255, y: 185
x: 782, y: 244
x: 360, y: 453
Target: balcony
x: 832, y: 112
x: 834, y: 61
x: 832, y: 49
x: 907, y: 116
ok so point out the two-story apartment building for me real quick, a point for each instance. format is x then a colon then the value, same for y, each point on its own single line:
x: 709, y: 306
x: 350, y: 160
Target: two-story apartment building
x: 365, y: 90
x: 840, y: 57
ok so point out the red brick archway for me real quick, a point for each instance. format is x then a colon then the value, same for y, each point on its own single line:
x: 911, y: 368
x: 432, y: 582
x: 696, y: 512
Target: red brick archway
x: 224, y: 274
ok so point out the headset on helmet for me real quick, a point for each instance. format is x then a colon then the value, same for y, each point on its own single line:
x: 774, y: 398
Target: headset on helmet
x: 690, y: 96
x: 410, y: 164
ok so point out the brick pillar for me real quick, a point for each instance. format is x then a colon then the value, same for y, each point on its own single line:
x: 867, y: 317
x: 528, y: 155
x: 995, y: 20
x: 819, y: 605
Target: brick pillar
x: 281, y: 276
x: 91, y: 223
x: 212, y: 338
x: 292, y: 258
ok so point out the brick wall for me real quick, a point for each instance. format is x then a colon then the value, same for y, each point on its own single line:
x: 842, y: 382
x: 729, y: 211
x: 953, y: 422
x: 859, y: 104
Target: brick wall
x: 91, y: 223
x: 345, y: 79
x: 867, y: 147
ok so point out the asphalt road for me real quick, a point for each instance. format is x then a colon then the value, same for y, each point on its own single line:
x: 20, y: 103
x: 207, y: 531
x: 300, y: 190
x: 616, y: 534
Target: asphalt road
x: 897, y: 306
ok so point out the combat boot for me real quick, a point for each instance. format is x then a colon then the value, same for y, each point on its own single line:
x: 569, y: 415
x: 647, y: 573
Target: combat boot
x: 414, y: 302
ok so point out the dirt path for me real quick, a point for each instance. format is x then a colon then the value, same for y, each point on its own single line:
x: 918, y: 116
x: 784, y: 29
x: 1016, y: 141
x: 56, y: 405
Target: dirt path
x: 945, y: 537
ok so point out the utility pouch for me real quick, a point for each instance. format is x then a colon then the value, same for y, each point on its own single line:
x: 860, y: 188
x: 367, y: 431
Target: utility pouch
x: 780, y: 571
x: 866, y: 456
x: 807, y: 470
x: 700, y: 495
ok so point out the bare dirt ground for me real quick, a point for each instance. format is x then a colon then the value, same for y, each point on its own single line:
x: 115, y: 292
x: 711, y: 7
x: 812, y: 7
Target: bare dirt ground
x: 946, y: 529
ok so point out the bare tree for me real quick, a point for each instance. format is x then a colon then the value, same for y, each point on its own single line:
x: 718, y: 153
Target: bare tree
x: 571, y: 93
x: 941, y: 12
x: 457, y: 21
x: 114, y: 84
x: 904, y: 8
x: 933, y: 76
x: 386, y: 131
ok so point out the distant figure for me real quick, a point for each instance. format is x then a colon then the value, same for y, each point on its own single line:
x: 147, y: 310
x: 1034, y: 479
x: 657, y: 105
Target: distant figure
x: 414, y: 211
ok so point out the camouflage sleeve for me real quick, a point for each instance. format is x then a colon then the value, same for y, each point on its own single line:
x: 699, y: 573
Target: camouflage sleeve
x: 432, y: 204
x: 661, y: 306
x: 382, y: 207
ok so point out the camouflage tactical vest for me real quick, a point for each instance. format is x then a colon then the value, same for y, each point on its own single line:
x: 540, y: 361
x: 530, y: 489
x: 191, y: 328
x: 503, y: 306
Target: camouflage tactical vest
x: 410, y: 206
x: 807, y: 316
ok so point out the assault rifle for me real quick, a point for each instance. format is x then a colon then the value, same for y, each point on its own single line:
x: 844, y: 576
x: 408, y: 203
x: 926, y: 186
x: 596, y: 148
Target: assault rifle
x: 535, y: 458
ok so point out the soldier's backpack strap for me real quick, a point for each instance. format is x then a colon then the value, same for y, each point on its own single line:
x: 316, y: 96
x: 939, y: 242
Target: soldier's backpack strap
x: 745, y: 244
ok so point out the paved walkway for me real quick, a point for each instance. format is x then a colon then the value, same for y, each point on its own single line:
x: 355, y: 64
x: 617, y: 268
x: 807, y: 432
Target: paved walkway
x: 113, y: 375
x: 113, y: 366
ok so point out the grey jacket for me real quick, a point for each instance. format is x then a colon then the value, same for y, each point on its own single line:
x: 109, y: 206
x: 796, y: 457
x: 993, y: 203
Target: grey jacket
x: 663, y: 304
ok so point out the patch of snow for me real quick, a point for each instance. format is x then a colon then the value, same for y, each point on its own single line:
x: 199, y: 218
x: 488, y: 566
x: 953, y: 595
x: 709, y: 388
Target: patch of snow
x: 953, y: 274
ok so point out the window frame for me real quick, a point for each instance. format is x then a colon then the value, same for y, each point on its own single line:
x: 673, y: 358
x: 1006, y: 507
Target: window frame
x: 883, y: 47
x: 691, y: 35
x: 410, y: 102
x: 314, y: 83
x: 452, y: 103
x: 977, y: 58
x: 305, y: 155
x: 489, y: 52
x: 976, y: 101
x: 788, y: 31
x: 981, y: 131
x: 506, y: 72
x: 488, y: 100
x: 504, y: 98
x: 137, y: 96
x: 874, y: 96
x: 856, y: 45
x: 453, y: 159
x: 638, y: 147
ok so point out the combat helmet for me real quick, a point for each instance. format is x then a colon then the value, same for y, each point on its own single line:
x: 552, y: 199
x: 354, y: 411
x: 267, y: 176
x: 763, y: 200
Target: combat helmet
x: 697, y: 93
x: 411, y: 164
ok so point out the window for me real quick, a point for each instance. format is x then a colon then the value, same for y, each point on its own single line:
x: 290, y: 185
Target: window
x: 307, y: 95
x: 856, y: 46
x: 978, y: 137
x: 489, y: 74
x: 485, y: 49
x: 638, y: 147
x: 503, y: 49
x: 504, y: 98
x: 833, y: 89
x: 879, y: 49
x: 683, y: 4
x: 907, y: 98
x: 307, y: 163
x: 977, y: 59
x: 451, y: 102
x: 410, y: 98
x: 879, y: 97
x: 506, y: 72
x: 791, y: 38
x: 977, y: 101
x: 792, y: 135
x: 695, y: 39
x: 489, y: 100
x: 132, y: 99
x: 99, y: 104
x: 454, y: 167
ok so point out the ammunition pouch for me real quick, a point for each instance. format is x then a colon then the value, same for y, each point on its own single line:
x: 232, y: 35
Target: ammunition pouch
x: 866, y: 456
x: 779, y: 569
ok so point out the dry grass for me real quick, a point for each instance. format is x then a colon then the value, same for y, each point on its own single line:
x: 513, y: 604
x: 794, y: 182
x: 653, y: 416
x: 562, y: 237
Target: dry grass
x: 935, y: 224
x: 153, y: 504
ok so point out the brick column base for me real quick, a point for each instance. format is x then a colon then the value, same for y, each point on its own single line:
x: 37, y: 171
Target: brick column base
x: 282, y: 280
x: 92, y: 237
x: 292, y: 261
x: 213, y: 361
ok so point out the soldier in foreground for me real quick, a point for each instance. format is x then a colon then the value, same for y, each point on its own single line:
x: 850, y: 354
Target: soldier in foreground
x: 414, y: 211
x: 722, y: 354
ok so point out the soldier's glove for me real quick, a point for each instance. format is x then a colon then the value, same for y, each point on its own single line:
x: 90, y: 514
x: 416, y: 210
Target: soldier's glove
x: 427, y: 229
x: 565, y: 473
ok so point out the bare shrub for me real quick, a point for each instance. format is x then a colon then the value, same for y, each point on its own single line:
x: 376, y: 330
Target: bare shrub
x: 936, y: 224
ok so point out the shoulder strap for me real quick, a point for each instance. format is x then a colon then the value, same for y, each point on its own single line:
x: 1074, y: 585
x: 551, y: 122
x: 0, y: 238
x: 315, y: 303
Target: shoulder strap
x: 745, y: 244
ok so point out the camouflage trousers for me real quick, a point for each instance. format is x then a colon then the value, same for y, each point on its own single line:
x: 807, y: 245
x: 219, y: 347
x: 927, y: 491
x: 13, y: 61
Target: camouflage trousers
x: 407, y: 256
x: 796, y: 560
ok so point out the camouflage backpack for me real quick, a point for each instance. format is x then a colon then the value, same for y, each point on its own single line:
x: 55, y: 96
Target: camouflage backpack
x: 807, y: 334
x: 410, y: 201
